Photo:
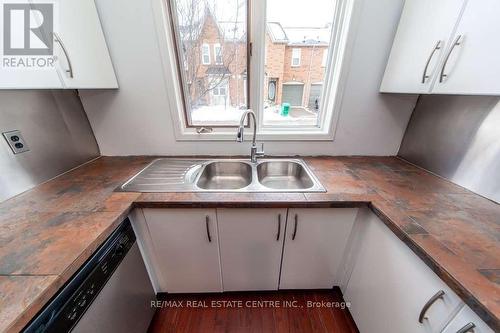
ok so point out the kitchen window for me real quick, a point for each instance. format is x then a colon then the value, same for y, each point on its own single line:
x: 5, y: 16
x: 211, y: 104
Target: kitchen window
x: 288, y: 72
x: 296, y: 57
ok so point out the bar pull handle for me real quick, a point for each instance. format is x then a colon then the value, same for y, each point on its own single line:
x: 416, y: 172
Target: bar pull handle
x: 295, y: 227
x: 468, y: 328
x: 207, y: 224
x: 279, y: 228
x: 437, y: 47
x: 443, y: 69
x: 60, y: 42
x: 432, y: 300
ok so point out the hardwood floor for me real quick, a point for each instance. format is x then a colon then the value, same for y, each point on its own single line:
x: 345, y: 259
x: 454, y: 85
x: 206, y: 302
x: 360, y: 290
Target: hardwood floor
x: 283, y: 311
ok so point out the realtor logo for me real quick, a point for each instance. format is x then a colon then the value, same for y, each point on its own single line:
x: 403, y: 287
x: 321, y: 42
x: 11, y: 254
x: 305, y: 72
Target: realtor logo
x: 28, y: 29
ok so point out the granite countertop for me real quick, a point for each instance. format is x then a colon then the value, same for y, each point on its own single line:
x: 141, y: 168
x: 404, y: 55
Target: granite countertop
x: 48, y: 232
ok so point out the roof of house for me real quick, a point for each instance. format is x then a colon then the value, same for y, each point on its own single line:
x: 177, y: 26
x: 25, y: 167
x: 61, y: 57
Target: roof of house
x: 218, y: 70
x: 308, y: 35
x: 236, y: 31
x: 298, y: 35
x: 276, y: 32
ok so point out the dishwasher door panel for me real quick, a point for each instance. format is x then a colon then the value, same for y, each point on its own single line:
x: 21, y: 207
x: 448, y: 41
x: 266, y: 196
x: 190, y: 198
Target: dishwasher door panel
x: 124, y: 304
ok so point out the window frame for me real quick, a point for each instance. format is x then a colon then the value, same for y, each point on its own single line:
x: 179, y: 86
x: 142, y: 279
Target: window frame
x: 297, y: 56
x: 205, y: 47
x: 218, y: 46
x: 324, y: 60
x: 346, y: 16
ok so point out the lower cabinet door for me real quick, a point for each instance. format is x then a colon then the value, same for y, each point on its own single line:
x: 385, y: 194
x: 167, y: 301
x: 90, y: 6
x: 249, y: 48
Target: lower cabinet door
x: 186, y: 249
x: 466, y: 321
x: 314, y: 247
x: 390, y: 287
x: 251, y: 242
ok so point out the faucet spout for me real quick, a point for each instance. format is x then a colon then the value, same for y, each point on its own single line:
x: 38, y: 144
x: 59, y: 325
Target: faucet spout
x: 254, y: 153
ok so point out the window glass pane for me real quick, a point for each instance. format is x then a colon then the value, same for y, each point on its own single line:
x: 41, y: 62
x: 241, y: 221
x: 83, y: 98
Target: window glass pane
x: 296, y: 43
x: 211, y: 39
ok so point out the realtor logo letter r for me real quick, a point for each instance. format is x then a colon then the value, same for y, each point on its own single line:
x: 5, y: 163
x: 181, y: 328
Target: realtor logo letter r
x: 28, y: 29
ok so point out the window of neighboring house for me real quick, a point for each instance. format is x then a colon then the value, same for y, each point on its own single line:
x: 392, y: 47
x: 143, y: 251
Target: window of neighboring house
x: 296, y: 57
x: 205, y: 55
x: 325, y: 57
x: 293, y: 103
x: 218, y: 54
x: 219, y: 90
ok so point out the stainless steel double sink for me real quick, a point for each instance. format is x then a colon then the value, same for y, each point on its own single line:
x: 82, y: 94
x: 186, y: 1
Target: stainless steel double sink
x: 225, y: 175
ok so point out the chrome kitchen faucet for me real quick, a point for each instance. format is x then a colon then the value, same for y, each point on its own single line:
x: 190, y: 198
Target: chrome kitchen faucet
x: 254, y: 152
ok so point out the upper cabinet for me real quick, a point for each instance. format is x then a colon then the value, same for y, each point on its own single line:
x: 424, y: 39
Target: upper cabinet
x: 473, y: 66
x: 446, y: 47
x: 60, y: 46
x: 80, y: 47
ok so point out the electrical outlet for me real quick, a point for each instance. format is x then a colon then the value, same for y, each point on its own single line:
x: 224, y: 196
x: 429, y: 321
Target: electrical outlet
x: 16, y: 141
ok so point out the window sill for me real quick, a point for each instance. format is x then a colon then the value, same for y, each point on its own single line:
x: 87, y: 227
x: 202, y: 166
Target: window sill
x: 229, y: 134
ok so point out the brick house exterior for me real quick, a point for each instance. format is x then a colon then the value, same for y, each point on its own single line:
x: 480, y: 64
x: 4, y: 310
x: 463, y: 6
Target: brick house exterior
x: 208, y: 77
x: 231, y: 72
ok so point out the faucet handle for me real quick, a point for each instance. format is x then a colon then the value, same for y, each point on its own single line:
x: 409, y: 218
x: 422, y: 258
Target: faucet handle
x: 261, y: 151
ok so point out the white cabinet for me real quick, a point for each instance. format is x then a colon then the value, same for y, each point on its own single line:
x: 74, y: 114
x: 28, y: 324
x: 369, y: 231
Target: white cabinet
x: 81, y: 34
x: 80, y: 56
x: 390, y: 285
x: 424, y: 30
x: 473, y: 67
x: 314, y: 247
x: 186, y: 249
x: 467, y: 319
x: 14, y: 78
x: 251, y: 242
x: 446, y: 47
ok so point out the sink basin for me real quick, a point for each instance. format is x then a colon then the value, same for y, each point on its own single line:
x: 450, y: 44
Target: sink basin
x: 225, y: 176
x: 284, y: 175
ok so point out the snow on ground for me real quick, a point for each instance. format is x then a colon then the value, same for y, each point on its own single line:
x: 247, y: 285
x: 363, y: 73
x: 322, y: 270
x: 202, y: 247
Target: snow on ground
x: 272, y: 115
x: 216, y: 114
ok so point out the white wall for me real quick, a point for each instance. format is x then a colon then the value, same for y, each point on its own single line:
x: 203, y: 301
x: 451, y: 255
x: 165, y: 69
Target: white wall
x: 135, y: 120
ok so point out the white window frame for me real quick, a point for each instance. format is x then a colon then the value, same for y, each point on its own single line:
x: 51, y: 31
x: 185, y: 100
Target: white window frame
x: 325, y: 58
x: 296, y: 55
x: 347, y: 13
x: 205, y: 48
x: 218, y: 46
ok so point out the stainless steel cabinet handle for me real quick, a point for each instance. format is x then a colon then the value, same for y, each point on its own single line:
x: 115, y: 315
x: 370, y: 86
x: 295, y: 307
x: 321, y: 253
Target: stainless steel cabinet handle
x: 455, y: 43
x: 207, y: 224
x: 70, y: 67
x: 437, y: 47
x: 279, y: 228
x: 432, y: 300
x: 469, y: 328
x: 295, y: 227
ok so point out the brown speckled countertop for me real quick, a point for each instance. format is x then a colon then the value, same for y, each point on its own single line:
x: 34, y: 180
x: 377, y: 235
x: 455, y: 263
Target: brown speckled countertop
x: 48, y: 232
